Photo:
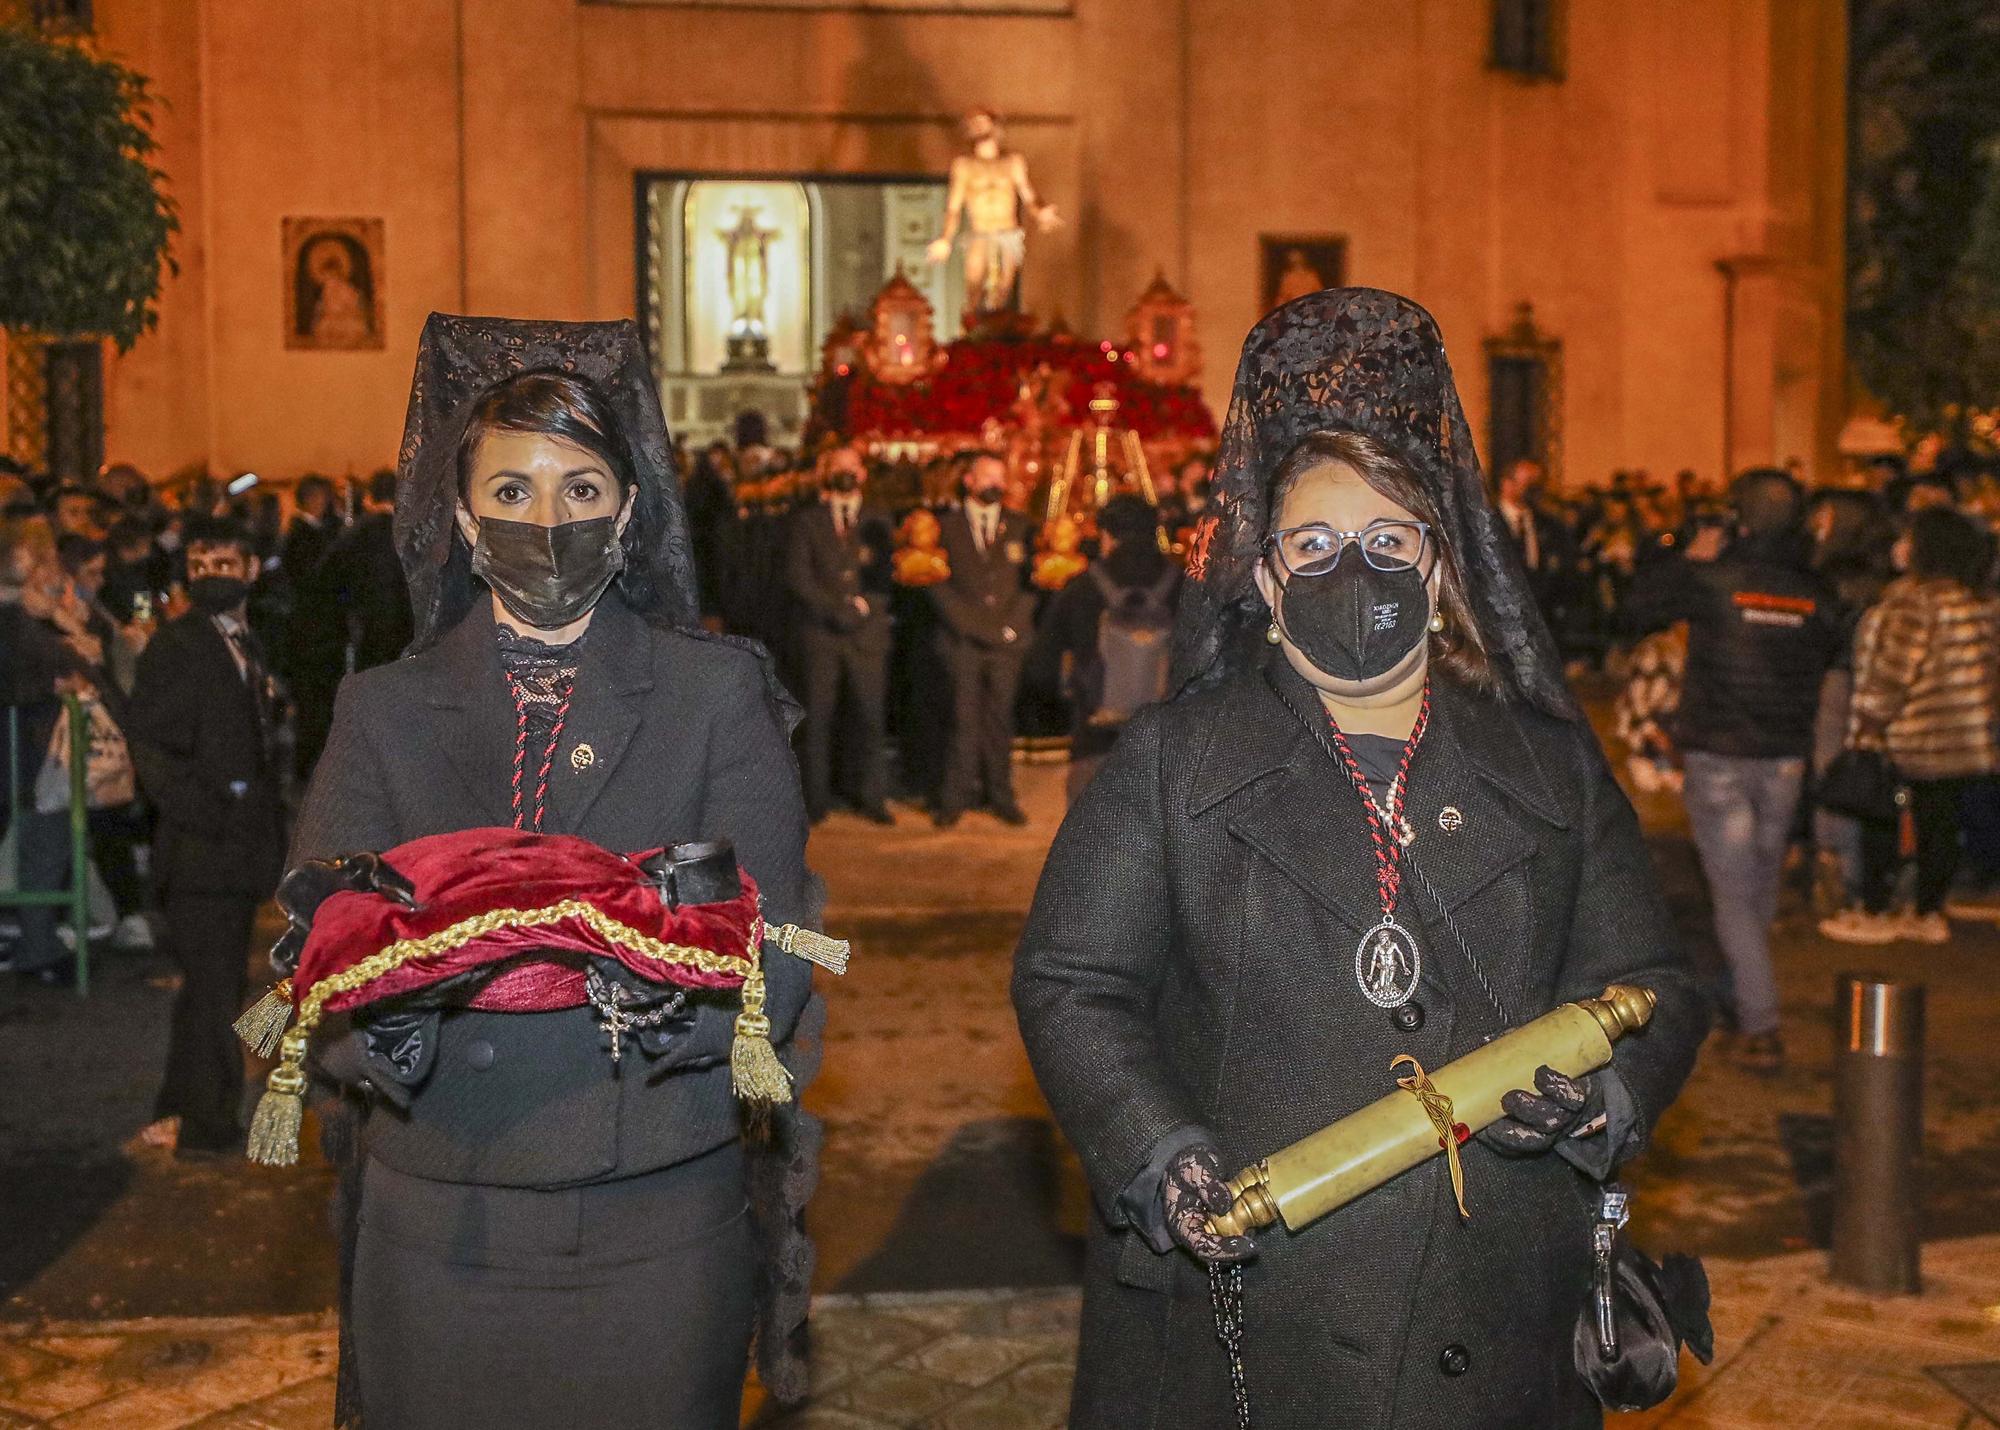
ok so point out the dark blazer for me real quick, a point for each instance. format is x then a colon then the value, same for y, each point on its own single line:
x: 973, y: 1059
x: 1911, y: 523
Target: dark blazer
x: 988, y: 590
x: 1188, y: 965
x: 825, y: 573
x: 683, y: 745
x: 201, y: 749
x: 363, y: 576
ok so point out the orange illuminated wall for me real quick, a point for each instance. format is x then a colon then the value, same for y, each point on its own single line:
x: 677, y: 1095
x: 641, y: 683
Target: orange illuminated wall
x: 500, y: 140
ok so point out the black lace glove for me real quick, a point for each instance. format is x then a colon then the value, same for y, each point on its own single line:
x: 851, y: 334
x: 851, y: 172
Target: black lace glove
x: 1192, y: 1191
x: 314, y: 882
x: 1558, y: 1108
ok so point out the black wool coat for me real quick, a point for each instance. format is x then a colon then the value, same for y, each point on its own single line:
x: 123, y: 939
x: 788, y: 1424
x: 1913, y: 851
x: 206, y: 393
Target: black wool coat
x: 683, y: 744
x: 1189, y: 965
x: 200, y: 746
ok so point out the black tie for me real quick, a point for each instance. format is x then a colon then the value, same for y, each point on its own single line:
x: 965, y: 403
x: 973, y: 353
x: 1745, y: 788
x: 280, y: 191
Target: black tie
x: 251, y: 651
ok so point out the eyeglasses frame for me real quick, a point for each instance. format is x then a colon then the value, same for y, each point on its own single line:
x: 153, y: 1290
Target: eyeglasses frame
x: 1425, y: 545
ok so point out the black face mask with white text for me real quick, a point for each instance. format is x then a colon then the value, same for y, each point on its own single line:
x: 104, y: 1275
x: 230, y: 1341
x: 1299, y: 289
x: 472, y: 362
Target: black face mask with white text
x: 1354, y: 622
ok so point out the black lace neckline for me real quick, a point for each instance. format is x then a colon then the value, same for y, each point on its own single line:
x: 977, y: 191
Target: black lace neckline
x: 521, y: 655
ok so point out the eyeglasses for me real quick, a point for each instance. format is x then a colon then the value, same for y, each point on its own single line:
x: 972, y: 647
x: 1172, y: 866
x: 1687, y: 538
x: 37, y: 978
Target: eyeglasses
x: 1316, y: 548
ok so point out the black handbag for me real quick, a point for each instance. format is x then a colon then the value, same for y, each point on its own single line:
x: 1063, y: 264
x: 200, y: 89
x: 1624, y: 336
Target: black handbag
x: 1860, y: 784
x: 1628, y: 1339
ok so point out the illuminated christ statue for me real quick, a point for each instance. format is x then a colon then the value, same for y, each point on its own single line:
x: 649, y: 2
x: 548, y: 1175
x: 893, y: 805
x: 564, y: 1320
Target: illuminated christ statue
x: 989, y: 187
x: 749, y: 285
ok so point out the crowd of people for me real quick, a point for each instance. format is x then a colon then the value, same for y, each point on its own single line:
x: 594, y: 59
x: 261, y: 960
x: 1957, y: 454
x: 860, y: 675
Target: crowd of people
x: 1752, y: 634
x: 1773, y: 638
x: 913, y: 601
x: 1351, y: 594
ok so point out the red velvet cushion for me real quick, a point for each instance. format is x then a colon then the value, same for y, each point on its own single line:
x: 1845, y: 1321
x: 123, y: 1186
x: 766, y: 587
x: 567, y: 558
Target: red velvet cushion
x: 365, y: 941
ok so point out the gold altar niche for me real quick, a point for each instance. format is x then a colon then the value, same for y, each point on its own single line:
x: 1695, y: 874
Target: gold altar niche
x: 746, y: 281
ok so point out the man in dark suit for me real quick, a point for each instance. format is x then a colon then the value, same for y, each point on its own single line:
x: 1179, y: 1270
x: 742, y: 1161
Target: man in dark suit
x: 366, y: 580
x: 837, y: 569
x: 315, y: 640
x: 200, y: 731
x: 1538, y: 537
x: 987, y: 612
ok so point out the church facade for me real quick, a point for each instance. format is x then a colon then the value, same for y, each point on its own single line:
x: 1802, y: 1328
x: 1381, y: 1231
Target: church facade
x: 1626, y: 217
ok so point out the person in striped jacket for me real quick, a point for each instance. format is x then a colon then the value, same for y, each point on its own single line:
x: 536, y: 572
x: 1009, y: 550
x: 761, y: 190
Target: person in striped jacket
x: 1926, y: 692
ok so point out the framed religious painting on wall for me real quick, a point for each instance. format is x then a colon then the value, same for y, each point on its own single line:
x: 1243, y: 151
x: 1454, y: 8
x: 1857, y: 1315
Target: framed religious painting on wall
x: 333, y: 284
x: 1297, y: 264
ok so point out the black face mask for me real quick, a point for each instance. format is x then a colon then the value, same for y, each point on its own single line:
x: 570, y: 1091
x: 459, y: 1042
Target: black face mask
x: 844, y: 482
x: 989, y: 495
x: 1355, y: 623
x: 548, y: 576
x: 217, y: 595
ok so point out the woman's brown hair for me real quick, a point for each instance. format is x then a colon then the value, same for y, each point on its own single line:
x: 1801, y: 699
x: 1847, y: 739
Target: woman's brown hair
x: 1459, y: 650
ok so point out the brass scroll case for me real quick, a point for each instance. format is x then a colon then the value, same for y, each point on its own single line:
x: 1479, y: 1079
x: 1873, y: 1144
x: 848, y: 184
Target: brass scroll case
x: 1388, y: 1137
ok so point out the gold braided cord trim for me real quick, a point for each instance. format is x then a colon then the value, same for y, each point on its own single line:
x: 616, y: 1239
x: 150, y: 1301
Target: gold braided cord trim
x: 679, y: 955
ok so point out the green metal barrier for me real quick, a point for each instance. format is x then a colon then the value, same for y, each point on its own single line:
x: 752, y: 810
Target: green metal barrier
x: 77, y: 896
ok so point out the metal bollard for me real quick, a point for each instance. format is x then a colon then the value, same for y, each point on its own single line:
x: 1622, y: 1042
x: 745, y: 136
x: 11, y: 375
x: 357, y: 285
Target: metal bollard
x: 1878, y: 1115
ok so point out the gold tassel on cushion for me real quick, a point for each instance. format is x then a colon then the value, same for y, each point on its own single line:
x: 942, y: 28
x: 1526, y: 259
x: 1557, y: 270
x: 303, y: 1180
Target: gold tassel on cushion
x: 274, y: 1131
x: 813, y: 947
x: 754, y: 1070
x: 262, y: 1025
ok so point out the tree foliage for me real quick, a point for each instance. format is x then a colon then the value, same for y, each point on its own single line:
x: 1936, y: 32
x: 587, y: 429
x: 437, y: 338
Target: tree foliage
x: 1923, y: 245
x: 85, y: 220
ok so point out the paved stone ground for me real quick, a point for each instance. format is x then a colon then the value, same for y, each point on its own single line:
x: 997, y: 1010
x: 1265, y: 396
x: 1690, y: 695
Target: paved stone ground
x: 1794, y: 1353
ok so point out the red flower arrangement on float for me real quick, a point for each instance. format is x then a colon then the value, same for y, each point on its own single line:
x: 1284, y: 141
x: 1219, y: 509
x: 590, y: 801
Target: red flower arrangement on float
x: 981, y: 379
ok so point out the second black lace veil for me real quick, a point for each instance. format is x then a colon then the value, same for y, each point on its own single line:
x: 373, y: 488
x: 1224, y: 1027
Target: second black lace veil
x: 1372, y: 362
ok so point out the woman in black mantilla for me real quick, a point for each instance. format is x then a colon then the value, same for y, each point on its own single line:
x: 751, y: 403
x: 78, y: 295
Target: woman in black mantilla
x: 1230, y: 944
x: 532, y: 1234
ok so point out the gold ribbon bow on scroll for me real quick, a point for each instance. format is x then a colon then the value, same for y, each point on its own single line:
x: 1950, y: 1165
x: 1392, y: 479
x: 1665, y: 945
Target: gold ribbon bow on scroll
x: 1425, y: 1113
x: 1451, y: 1132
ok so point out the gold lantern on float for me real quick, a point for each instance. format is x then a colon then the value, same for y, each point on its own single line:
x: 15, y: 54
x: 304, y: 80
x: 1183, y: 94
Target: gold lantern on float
x: 1160, y: 333
x: 899, y: 346
x: 1102, y: 460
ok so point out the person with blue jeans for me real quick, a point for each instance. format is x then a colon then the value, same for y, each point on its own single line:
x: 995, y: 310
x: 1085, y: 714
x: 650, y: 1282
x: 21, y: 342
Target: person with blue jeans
x: 1763, y: 629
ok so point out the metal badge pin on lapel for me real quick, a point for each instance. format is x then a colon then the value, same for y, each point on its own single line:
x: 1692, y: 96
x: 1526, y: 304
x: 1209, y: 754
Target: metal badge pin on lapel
x: 582, y: 758
x: 1450, y: 820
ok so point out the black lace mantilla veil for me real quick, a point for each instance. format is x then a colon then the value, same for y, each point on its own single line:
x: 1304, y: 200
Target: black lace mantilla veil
x: 1367, y: 361
x: 458, y: 359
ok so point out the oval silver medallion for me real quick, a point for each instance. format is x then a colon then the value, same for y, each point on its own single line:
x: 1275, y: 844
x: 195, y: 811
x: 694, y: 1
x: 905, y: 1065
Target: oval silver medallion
x: 1387, y: 964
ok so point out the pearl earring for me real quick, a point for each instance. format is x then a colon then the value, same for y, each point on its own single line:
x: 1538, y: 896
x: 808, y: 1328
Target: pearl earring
x: 1272, y: 633
x: 1437, y: 622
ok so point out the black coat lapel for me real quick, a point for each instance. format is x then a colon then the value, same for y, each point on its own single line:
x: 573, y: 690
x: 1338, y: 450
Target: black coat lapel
x: 612, y: 681
x: 1302, y: 816
x: 475, y: 732
x: 1491, y: 828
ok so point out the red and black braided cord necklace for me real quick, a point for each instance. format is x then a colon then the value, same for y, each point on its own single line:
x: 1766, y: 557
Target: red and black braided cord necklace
x: 564, y: 684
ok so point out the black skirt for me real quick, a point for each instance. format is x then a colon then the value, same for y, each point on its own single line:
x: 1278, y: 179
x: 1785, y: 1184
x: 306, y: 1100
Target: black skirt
x: 622, y: 1305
